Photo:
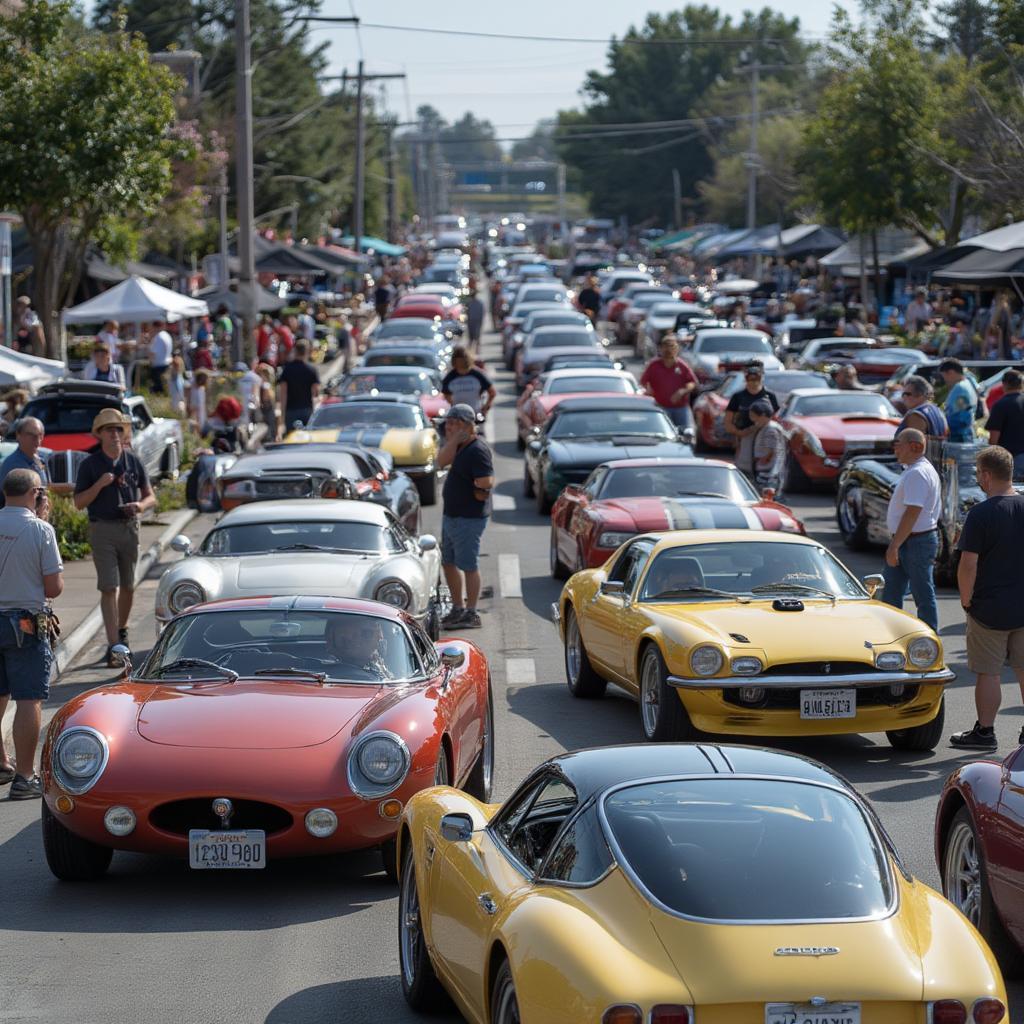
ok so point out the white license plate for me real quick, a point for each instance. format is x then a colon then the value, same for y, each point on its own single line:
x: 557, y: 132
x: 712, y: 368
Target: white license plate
x: 240, y: 850
x: 802, y: 1013
x: 828, y: 703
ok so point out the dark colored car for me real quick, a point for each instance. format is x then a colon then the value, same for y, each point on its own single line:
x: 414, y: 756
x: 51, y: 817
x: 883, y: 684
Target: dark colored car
x: 584, y: 432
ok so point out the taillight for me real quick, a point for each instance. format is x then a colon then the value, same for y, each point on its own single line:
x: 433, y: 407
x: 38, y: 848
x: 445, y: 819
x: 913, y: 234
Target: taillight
x: 622, y: 1013
x: 987, y: 1011
x: 328, y: 489
x: 368, y: 486
x: 948, y: 1011
x: 669, y: 1013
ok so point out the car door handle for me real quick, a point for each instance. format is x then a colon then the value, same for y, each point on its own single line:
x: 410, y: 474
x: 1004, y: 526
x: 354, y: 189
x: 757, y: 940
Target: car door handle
x: 488, y: 904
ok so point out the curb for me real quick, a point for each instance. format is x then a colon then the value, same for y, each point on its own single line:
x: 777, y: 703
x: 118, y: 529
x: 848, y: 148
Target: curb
x: 69, y: 648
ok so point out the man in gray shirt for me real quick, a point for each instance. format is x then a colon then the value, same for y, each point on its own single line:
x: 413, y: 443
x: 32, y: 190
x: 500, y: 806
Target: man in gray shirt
x: 31, y: 573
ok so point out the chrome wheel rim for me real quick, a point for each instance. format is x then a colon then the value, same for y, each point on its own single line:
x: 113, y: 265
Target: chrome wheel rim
x: 963, y: 873
x: 507, y: 1010
x: 409, y: 916
x: 650, y: 696
x: 573, y: 650
x: 441, y: 771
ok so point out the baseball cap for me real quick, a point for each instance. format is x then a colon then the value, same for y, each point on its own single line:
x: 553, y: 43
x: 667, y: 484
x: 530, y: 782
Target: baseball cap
x: 761, y: 408
x: 462, y: 412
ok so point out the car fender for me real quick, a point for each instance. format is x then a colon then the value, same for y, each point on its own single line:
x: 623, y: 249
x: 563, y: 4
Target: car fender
x: 977, y: 786
x: 406, y: 568
x: 202, y: 570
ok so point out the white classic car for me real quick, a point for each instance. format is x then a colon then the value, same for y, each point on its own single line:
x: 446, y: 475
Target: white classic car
x: 323, y: 547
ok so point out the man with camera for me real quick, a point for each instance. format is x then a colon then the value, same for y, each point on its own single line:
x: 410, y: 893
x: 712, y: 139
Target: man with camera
x: 112, y: 484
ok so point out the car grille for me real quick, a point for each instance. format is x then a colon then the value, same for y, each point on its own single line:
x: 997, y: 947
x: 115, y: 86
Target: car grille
x: 820, y: 668
x: 179, y: 816
x: 284, y: 488
x: 788, y: 698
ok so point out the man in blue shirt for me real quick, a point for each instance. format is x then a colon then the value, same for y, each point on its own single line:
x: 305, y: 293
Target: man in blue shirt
x: 961, y: 402
x: 29, y: 434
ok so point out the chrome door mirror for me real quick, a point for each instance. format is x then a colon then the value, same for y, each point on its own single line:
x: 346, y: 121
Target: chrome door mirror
x: 452, y: 657
x: 428, y: 542
x: 123, y: 655
x: 614, y: 588
x: 457, y: 828
x: 180, y: 543
x: 873, y: 582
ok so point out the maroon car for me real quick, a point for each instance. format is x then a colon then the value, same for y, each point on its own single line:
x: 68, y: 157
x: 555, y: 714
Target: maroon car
x: 979, y: 847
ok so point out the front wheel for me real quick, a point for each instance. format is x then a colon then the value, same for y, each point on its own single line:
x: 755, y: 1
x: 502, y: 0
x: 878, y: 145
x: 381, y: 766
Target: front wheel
x: 478, y: 785
x: 794, y: 479
x: 583, y: 681
x: 850, y: 518
x: 427, y: 486
x: 504, y: 1005
x: 662, y: 715
x: 71, y: 858
x: 920, y: 737
x: 420, y: 984
x: 544, y: 503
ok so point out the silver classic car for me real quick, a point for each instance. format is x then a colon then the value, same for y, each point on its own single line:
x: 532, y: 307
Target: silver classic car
x: 326, y: 547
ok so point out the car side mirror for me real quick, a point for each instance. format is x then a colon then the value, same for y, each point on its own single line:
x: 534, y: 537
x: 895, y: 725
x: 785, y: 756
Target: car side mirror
x: 573, y: 490
x: 123, y: 655
x: 457, y: 828
x: 534, y: 446
x: 182, y: 544
x: 768, y: 494
x: 687, y: 435
x: 873, y: 582
x: 428, y: 542
x: 614, y: 588
x: 452, y: 657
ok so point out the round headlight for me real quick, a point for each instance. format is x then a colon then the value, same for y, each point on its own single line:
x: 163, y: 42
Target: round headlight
x: 79, y: 758
x: 119, y: 821
x: 746, y: 666
x: 394, y: 593
x: 321, y: 822
x: 706, y: 660
x: 923, y: 651
x: 378, y: 764
x: 890, y: 661
x: 185, y: 595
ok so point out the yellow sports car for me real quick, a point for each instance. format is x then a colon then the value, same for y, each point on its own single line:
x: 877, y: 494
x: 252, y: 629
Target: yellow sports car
x: 394, y: 423
x: 753, y: 634
x: 674, y: 884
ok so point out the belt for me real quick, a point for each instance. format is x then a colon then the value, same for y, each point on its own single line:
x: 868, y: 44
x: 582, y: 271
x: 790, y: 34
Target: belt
x: 924, y: 533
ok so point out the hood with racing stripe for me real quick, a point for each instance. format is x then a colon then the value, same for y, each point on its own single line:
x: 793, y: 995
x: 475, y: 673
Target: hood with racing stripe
x: 643, y: 515
x: 408, y: 447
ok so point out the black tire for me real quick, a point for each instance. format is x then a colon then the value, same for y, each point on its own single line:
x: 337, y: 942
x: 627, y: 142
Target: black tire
x: 920, y: 737
x: 544, y: 503
x: 527, y: 480
x: 850, y: 518
x: 420, y: 985
x: 580, y: 677
x: 481, y: 778
x: 504, y: 1008
x: 388, y: 856
x: 71, y: 858
x: 794, y: 480
x: 559, y: 570
x: 427, y: 486
x: 663, y: 719
x: 982, y: 912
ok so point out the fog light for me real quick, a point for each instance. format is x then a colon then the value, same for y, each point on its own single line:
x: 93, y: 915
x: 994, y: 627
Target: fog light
x: 119, y: 821
x: 321, y: 822
x: 751, y: 694
x: 390, y: 809
x: 64, y: 804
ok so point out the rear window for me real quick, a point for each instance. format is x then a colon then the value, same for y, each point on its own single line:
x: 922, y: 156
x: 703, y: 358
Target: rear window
x: 406, y: 328
x: 350, y: 414
x: 385, y: 358
x: 751, y: 849
x: 576, y: 385
x: 68, y: 414
x: 562, y: 339
x: 733, y: 343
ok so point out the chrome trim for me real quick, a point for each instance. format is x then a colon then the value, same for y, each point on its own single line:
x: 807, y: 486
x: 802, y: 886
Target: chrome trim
x: 77, y: 789
x: 556, y: 618
x: 821, y: 682
x: 368, y: 790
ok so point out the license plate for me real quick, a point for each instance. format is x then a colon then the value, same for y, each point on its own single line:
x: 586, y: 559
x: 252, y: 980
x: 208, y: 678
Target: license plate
x: 227, y: 850
x: 828, y: 703
x: 800, y: 1013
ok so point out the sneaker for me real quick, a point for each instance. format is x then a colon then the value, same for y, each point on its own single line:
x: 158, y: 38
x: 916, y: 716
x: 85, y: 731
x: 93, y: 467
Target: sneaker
x: 454, y: 618
x: 122, y: 635
x: 975, y: 739
x: 25, y: 789
x: 7, y: 773
x: 471, y: 620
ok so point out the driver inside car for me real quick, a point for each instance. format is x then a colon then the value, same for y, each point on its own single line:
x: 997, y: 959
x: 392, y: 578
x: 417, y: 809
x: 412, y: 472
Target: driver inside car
x: 675, y: 574
x: 356, y: 643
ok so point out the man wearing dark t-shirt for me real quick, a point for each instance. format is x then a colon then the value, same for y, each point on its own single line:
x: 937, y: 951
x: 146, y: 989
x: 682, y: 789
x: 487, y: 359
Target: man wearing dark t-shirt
x: 991, y: 582
x: 1006, y: 420
x: 464, y: 384
x: 589, y: 299
x: 467, y: 506
x: 737, y: 415
x: 298, y: 388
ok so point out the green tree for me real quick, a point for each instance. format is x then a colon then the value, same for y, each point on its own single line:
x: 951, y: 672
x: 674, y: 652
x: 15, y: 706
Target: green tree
x: 965, y: 27
x: 540, y: 145
x: 469, y: 140
x: 84, y: 140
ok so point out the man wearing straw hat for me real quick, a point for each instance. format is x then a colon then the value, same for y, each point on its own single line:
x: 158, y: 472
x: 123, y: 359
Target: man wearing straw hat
x: 112, y: 484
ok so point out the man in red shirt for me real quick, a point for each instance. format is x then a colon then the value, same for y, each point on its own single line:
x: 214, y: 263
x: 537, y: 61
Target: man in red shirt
x: 670, y: 381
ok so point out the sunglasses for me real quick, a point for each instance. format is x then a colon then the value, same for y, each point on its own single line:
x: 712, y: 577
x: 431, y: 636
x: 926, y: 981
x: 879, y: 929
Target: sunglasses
x: 117, y: 430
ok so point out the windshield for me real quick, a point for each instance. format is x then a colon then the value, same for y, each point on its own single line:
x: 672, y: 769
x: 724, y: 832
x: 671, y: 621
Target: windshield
x: 562, y: 339
x: 571, y: 362
x: 676, y: 481
x: 646, y: 300
x: 534, y: 320
x: 442, y: 275
x: 542, y: 295
x: 763, y: 569
x: 344, y: 647
x: 404, y: 383
x: 842, y: 403
x: 253, y: 538
x: 732, y: 343
x: 576, y: 384
x: 781, y: 383
x: 425, y: 359
x: 408, y: 328
x: 596, y: 422
x: 733, y: 849
x: 351, y: 414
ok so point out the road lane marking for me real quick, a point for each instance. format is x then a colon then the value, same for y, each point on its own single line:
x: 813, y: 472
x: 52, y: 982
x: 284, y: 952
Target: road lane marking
x: 520, y: 671
x: 509, y: 579
x: 503, y: 503
x: 489, y: 430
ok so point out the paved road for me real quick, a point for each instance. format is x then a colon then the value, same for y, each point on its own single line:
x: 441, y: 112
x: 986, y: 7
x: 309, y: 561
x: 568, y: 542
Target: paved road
x: 313, y: 941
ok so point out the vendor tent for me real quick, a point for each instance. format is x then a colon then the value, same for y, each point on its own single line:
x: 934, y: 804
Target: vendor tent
x: 18, y: 369
x: 986, y: 268
x: 895, y: 248
x: 214, y: 297
x: 809, y: 240
x: 135, y: 300
x: 368, y: 243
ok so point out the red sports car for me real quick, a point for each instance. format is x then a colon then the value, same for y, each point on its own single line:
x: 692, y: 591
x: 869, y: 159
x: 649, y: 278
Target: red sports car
x: 979, y: 848
x: 453, y: 309
x: 629, y: 496
x: 421, y: 308
x: 822, y: 422
x: 265, y: 727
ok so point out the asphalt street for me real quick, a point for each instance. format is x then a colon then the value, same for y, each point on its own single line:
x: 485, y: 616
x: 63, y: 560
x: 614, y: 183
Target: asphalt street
x: 316, y: 940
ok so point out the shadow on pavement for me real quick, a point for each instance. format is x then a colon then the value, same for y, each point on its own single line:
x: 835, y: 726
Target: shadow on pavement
x: 577, y: 723
x: 360, y: 999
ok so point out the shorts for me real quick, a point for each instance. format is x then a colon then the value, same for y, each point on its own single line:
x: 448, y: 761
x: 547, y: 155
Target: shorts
x: 460, y: 541
x: 989, y: 650
x: 115, y: 552
x: 24, y: 669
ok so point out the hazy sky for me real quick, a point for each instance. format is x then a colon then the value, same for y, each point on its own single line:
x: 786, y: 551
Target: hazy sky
x: 512, y: 83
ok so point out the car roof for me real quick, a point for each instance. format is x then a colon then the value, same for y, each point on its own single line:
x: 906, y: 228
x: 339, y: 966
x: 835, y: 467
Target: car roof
x: 606, y: 402
x: 595, y: 770
x: 305, y: 510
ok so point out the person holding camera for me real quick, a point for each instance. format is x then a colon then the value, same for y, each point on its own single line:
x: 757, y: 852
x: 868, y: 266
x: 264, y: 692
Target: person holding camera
x: 112, y: 484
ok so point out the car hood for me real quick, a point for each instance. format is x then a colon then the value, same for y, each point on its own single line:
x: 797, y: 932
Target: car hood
x: 583, y: 453
x: 402, y: 443
x: 643, y: 514
x: 838, y: 428
x: 549, y: 402
x: 290, y: 572
x: 251, y: 715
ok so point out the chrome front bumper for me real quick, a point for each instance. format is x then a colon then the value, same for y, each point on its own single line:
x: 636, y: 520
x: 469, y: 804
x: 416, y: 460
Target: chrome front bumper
x: 858, y: 679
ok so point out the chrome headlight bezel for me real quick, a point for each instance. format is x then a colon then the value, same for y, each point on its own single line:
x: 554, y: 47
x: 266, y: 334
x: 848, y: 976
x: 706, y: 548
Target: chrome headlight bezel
x: 703, y: 650
x: 176, y: 605
x: 389, y: 589
x: 746, y: 665
x: 931, y: 650
x: 360, y: 782
x: 68, y: 780
x: 890, y: 661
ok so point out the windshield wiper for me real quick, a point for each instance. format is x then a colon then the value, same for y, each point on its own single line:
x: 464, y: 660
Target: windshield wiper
x: 316, y: 547
x: 197, y: 663
x: 684, y: 591
x: 303, y: 673
x: 703, y: 494
x: 765, y: 588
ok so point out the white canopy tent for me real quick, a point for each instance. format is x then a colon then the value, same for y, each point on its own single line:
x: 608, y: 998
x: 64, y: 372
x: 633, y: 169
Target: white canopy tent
x: 135, y: 300
x: 18, y: 369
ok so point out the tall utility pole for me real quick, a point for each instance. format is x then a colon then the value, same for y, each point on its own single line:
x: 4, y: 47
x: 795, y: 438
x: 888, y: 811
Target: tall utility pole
x: 753, y: 156
x: 392, y: 172
x: 247, y: 304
